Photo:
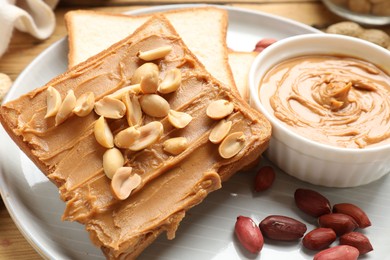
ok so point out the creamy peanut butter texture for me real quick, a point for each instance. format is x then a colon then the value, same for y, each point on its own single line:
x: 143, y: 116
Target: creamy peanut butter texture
x: 170, y: 184
x: 334, y: 100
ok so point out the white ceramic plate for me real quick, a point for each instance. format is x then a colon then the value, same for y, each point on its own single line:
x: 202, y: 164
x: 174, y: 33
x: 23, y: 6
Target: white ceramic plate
x: 207, y: 231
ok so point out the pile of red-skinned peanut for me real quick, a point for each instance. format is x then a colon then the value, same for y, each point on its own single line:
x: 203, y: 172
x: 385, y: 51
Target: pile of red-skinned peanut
x: 337, y: 222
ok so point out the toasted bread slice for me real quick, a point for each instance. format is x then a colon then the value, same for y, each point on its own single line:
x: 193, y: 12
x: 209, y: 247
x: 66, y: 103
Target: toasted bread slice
x: 70, y: 156
x: 203, y: 30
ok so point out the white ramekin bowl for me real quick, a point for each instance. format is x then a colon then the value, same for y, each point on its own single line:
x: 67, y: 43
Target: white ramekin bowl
x: 301, y: 157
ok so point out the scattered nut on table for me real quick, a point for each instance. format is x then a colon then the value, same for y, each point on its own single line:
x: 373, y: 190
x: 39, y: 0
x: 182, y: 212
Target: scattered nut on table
x: 376, y: 36
x: 353, y: 29
x: 345, y: 28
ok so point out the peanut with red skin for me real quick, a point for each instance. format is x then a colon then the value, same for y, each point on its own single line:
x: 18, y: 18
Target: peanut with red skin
x: 264, y: 43
x: 340, y: 223
x: 319, y: 238
x: 312, y: 202
x: 355, y: 212
x: 249, y: 234
x: 282, y: 228
x: 264, y: 178
x: 358, y: 240
x: 341, y: 252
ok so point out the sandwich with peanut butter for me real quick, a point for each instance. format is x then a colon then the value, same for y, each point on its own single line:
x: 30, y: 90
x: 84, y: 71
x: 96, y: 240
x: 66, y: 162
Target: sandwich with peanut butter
x: 135, y: 136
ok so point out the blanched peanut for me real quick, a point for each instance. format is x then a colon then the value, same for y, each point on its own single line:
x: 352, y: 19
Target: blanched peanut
x: 135, y: 89
x: 155, y: 54
x: 147, y: 76
x: 150, y: 133
x: 126, y: 137
x: 53, y: 101
x: 103, y: 133
x: 232, y: 145
x: 154, y: 105
x: 179, y: 119
x: 220, y: 131
x: 124, y: 182
x: 171, y: 82
x: 133, y: 109
x: 110, y: 107
x: 112, y: 161
x: 219, y: 109
x: 66, y: 108
x: 175, y: 145
x: 84, y: 104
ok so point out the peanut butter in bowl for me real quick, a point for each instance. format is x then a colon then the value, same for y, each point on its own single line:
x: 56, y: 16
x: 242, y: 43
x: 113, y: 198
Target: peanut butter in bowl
x: 327, y: 98
x: 333, y: 100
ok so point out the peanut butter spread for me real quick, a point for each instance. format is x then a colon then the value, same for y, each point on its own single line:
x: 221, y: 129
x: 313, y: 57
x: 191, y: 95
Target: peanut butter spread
x: 170, y: 184
x: 334, y: 100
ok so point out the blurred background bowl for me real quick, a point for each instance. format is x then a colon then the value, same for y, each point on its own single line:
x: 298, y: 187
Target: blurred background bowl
x: 369, y: 12
x: 308, y: 160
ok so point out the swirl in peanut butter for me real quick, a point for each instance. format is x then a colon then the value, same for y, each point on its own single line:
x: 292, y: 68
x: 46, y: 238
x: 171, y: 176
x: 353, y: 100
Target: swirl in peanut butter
x: 340, y: 101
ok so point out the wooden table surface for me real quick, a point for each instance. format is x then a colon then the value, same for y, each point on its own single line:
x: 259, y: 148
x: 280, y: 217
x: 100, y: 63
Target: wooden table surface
x: 24, y: 48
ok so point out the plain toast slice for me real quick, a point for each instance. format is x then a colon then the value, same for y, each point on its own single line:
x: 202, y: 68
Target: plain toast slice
x: 203, y: 30
x: 240, y: 63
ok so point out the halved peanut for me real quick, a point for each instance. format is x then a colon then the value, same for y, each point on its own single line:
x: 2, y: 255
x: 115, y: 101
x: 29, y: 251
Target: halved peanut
x: 179, y: 119
x: 53, y: 101
x: 84, y: 104
x: 150, y: 133
x: 112, y: 161
x: 133, y: 109
x: 143, y: 70
x: 66, y: 108
x: 135, y: 88
x: 175, y: 145
x: 147, y: 76
x: 171, y: 81
x: 219, y: 109
x: 232, y: 145
x: 103, y: 133
x: 149, y: 83
x: 220, y: 131
x: 154, y: 105
x: 126, y: 137
x: 155, y: 54
x: 110, y: 107
x: 123, y: 182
